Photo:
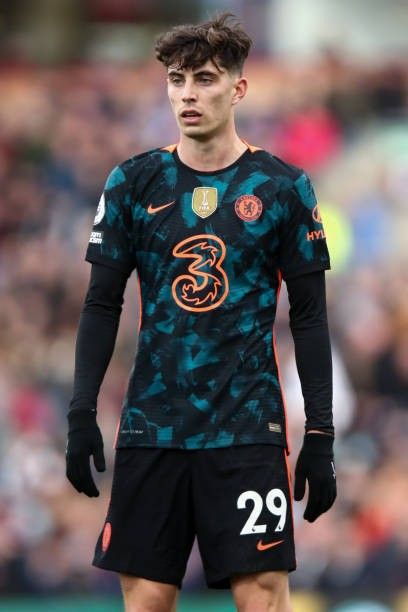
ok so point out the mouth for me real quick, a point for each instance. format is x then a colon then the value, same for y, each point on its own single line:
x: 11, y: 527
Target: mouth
x: 190, y: 117
x: 190, y: 113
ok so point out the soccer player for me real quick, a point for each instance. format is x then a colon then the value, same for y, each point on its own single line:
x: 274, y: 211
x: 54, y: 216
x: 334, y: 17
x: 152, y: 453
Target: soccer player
x: 212, y: 225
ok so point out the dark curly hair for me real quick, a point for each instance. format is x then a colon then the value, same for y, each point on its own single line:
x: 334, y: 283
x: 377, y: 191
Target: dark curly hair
x: 221, y: 40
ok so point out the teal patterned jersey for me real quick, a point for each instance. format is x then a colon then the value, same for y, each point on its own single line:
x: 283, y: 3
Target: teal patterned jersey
x: 210, y: 250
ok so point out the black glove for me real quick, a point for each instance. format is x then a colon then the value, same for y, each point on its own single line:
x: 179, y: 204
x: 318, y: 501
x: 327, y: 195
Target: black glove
x: 316, y: 465
x: 84, y: 440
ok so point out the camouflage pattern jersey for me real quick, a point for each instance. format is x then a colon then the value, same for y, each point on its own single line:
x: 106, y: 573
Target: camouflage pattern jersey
x: 210, y: 250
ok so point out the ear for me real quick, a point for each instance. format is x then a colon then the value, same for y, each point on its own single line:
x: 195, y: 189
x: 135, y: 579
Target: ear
x: 240, y: 89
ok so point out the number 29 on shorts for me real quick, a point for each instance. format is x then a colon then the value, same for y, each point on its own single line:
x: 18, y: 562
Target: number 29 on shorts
x: 277, y: 509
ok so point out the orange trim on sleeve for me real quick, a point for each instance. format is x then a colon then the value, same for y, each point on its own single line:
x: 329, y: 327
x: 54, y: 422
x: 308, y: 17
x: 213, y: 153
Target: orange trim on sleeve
x: 170, y: 148
x: 139, y: 300
x: 275, y: 351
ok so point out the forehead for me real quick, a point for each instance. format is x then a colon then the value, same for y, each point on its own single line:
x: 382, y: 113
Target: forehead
x: 208, y: 66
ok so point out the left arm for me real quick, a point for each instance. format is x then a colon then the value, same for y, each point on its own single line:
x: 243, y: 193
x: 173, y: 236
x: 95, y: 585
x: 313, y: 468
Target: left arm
x: 308, y: 323
x: 309, y: 327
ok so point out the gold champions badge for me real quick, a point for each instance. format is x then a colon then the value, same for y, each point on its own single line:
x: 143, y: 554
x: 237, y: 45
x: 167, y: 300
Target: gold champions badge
x: 204, y: 201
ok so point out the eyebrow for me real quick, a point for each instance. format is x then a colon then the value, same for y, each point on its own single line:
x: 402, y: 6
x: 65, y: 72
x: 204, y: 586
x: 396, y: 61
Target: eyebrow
x: 206, y: 73
x: 175, y: 72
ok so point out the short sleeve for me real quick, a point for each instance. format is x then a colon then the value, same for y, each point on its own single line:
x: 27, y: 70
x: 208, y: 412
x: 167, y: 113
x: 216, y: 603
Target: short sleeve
x: 110, y: 242
x: 302, y: 240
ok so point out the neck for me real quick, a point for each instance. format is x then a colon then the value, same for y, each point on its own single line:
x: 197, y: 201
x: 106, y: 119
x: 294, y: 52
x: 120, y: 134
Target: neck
x: 214, y: 154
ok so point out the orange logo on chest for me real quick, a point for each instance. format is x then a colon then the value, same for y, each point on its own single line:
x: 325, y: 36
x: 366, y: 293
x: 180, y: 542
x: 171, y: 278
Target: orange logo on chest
x: 248, y: 207
x: 204, y: 284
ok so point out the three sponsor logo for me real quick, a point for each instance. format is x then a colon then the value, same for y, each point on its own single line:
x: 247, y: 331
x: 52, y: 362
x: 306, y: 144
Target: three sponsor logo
x: 203, y: 285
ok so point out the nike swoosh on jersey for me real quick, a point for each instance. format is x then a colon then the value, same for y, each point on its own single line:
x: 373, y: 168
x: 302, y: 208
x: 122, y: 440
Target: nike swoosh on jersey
x: 155, y: 209
x: 261, y: 546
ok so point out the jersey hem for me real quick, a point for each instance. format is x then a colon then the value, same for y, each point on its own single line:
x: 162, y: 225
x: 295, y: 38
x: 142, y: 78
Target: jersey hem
x: 110, y: 263
x: 208, y: 446
x: 305, y: 270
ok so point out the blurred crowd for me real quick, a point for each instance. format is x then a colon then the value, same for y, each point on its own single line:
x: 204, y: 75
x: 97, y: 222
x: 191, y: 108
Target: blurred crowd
x: 61, y: 131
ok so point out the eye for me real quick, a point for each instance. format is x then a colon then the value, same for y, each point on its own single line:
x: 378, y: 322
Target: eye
x: 205, y: 80
x: 175, y: 80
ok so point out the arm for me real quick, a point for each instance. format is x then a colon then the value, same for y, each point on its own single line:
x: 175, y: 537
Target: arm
x: 97, y: 330
x: 308, y: 322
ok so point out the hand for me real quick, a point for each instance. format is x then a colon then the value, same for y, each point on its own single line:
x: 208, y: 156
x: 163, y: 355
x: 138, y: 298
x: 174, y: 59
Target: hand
x: 84, y: 440
x: 316, y: 465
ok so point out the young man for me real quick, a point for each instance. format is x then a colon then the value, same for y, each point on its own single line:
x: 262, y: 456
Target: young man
x: 211, y: 225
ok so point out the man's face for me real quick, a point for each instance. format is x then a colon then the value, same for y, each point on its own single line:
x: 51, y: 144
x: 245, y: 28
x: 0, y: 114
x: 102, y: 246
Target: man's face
x: 202, y: 98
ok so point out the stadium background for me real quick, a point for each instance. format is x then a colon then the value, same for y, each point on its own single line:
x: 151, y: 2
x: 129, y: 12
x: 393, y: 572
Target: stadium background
x: 79, y: 92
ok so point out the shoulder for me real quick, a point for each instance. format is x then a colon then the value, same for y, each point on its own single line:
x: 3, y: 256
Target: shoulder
x: 291, y: 181
x: 277, y: 166
x: 129, y: 173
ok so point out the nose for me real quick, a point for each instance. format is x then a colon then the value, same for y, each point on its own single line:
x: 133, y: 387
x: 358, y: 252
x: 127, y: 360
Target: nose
x: 189, y: 92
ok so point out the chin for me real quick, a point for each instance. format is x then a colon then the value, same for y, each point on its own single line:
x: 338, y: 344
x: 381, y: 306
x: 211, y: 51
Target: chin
x: 194, y: 131
x: 199, y: 132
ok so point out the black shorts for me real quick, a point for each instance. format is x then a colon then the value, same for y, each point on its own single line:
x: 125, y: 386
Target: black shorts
x: 236, y: 500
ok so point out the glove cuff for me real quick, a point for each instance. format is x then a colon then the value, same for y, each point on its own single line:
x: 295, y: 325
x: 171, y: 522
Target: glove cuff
x: 81, y: 419
x: 318, y: 444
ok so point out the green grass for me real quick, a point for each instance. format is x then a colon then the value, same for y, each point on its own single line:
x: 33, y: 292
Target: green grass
x: 202, y: 603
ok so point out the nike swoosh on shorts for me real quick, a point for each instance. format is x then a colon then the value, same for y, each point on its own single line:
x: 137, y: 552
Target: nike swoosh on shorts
x: 261, y: 546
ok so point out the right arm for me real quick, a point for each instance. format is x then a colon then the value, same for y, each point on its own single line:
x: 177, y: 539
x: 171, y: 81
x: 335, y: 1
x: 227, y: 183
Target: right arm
x: 97, y: 330
x: 98, y: 326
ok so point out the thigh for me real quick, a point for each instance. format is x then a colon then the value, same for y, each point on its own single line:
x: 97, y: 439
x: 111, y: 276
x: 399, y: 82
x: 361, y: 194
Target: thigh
x: 148, y: 530
x: 243, y: 512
